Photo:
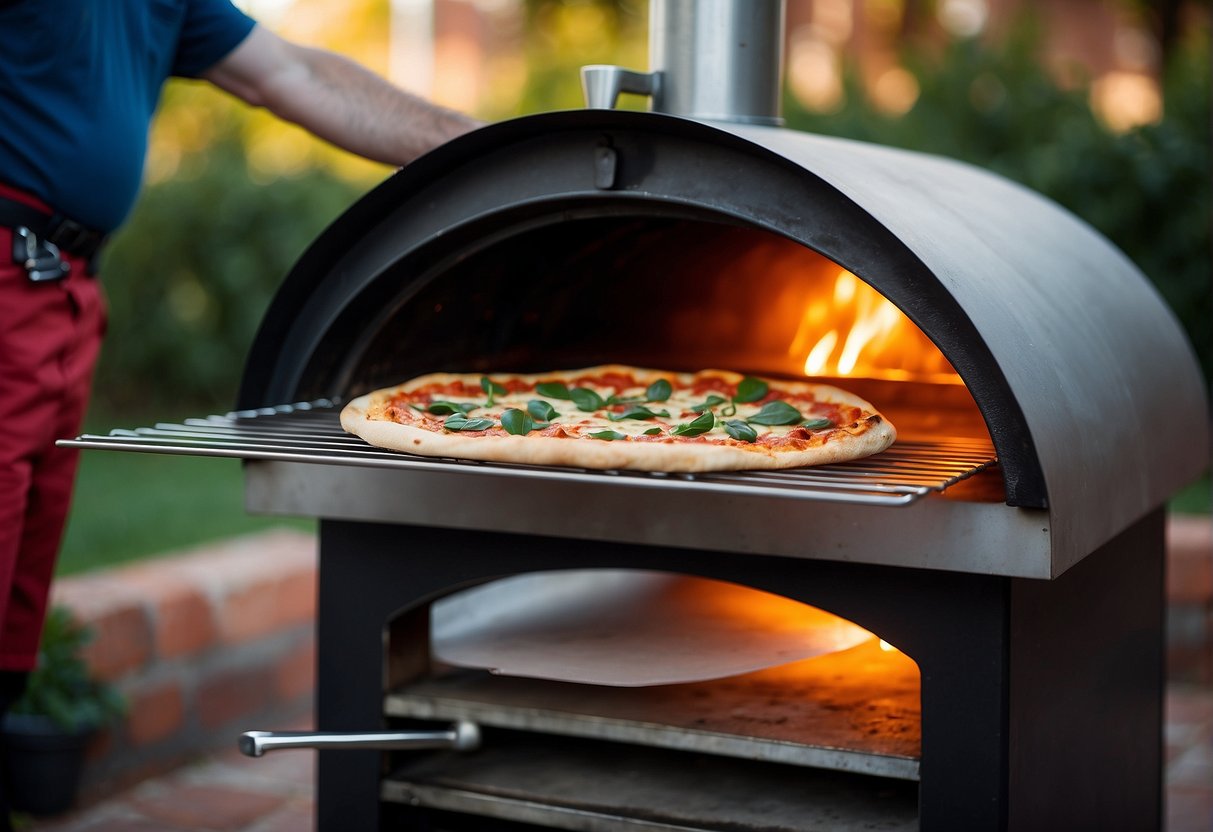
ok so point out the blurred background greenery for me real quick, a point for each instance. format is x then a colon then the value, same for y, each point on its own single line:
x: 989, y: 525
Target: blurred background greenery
x: 1102, y: 105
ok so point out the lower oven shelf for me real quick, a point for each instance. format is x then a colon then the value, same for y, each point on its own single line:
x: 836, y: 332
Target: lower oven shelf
x: 600, y: 787
x: 857, y: 710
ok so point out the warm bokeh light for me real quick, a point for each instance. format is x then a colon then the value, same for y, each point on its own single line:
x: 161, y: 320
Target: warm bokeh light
x: 1124, y: 100
x: 814, y: 72
x: 964, y: 18
x: 895, y: 91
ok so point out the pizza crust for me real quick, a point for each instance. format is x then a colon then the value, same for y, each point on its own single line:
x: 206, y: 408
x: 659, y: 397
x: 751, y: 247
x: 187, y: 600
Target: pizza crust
x: 871, y: 434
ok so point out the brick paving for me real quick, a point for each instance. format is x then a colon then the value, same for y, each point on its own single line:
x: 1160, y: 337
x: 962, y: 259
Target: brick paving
x: 1189, y: 774
x: 226, y: 792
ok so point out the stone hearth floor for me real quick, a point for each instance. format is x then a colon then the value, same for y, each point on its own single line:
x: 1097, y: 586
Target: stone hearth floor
x: 226, y: 792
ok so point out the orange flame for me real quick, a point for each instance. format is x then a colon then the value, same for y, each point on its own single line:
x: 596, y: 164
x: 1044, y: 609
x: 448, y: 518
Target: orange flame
x: 858, y: 332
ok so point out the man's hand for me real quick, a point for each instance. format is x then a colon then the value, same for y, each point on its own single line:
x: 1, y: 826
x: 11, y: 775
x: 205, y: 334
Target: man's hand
x: 335, y: 98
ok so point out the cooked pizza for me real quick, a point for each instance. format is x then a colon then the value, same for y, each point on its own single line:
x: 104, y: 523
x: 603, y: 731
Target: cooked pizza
x: 618, y: 417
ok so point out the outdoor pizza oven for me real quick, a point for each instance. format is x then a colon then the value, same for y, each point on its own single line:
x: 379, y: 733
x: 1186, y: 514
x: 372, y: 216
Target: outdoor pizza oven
x: 1007, y: 552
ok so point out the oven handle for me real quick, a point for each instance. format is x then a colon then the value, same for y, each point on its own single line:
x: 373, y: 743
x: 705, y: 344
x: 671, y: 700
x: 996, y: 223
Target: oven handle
x: 460, y: 736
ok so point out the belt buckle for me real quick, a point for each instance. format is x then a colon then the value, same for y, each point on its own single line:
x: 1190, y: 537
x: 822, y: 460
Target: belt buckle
x: 41, y: 259
x: 67, y: 235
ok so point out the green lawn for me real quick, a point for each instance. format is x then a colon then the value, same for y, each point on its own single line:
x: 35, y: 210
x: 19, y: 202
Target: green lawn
x: 134, y: 505
x: 1195, y: 499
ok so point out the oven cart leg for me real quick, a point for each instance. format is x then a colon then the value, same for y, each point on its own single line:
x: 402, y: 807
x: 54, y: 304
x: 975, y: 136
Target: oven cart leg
x: 1041, y: 700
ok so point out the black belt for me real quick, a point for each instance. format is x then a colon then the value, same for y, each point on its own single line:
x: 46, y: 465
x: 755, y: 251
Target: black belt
x: 56, y: 229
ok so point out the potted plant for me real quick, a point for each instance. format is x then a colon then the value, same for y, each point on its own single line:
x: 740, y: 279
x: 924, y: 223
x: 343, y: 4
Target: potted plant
x: 47, y: 731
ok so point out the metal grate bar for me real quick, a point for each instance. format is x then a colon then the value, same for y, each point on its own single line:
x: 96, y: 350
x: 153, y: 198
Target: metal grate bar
x: 311, y: 432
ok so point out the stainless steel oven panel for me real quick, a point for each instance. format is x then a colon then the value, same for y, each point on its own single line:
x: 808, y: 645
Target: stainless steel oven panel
x: 933, y: 533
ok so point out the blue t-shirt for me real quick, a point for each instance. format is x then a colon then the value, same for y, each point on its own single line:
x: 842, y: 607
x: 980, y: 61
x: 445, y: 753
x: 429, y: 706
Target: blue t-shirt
x: 79, y: 82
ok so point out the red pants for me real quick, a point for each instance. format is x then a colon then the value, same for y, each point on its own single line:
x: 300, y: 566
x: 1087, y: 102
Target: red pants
x: 50, y: 334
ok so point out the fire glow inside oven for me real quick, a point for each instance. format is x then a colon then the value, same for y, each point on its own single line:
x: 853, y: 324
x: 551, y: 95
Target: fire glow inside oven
x: 1003, y: 558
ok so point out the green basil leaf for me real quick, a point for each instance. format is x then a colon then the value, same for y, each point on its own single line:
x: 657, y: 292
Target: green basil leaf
x: 776, y: 413
x: 444, y: 408
x: 491, y: 388
x: 460, y: 422
x: 740, y: 431
x: 816, y: 424
x: 553, y: 390
x: 516, y: 422
x: 750, y: 389
x: 659, y: 391
x: 638, y: 411
x: 700, y: 425
x: 607, y: 435
x: 586, y: 399
x: 615, y: 399
x: 653, y: 432
x: 541, y: 410
x: 707, y: 404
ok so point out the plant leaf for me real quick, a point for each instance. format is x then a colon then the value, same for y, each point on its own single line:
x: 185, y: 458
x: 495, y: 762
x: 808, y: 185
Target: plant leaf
x: 607, y: 435
x: 816, y: 424
x: 750, y: 389
x: 491, y: 388
x: 700, y: 425
x: 653, y: 432
x: 707, y: 404
x: 516, y: 422
x: 444, y: 408
x: 459, y: 422
x: 638, y: 411
x: 541, y: 410
x: 553, y: 390
x: 740, y: 431
x: 776, y: 413
x: 659, y: 391
x: 586, y: 399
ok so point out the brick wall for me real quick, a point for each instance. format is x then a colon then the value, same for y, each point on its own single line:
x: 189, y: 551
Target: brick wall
x: 1190, y: 600
x: 218, y: 640
x: 204, y: 644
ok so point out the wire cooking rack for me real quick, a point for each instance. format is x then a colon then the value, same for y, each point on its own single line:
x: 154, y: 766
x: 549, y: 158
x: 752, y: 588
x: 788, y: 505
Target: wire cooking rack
x: 311, y: 432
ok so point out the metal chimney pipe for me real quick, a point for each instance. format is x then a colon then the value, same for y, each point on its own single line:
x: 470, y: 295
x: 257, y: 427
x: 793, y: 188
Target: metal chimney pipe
x: 720, y: 60
x: 715, y: 60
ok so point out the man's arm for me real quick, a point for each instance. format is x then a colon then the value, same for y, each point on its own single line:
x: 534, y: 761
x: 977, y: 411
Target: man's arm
x: 335, y: 98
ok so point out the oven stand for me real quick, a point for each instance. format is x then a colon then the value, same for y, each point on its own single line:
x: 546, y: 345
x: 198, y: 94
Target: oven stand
x: 1041, y: 700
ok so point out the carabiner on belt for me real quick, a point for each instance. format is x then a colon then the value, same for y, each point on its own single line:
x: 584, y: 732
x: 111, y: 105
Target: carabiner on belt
x: 41, y: 260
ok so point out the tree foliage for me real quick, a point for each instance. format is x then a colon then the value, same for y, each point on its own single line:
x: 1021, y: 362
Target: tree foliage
x: 190, y: 276
x: 1147, y: 190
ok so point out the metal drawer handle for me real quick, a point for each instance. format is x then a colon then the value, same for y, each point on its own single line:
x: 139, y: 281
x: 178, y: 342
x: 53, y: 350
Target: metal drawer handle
x: 460, y: 736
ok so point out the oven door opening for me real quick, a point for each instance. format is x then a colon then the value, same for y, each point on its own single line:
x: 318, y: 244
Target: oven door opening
x: 621, y: 692
x: 659, y: 292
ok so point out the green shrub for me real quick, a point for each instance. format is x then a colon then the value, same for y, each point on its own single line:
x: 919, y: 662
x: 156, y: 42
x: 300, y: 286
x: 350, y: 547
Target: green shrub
x: 61, y: 686
x: 190, y: 275
x: 1147, y: 190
